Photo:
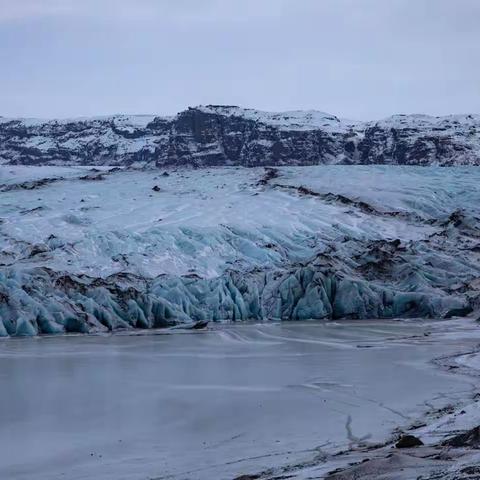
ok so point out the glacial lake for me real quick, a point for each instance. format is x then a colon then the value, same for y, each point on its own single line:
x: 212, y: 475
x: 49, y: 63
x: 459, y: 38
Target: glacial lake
x: 217, y: 403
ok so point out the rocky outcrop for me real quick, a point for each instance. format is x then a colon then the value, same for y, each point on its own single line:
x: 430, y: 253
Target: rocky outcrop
x: 227, y: 135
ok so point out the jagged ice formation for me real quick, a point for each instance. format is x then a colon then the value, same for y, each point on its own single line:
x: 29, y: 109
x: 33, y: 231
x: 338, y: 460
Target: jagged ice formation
x: 95, y: 250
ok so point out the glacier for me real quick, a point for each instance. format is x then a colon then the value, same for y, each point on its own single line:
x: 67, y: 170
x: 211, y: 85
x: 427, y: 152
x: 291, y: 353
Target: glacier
x: 100, y: 249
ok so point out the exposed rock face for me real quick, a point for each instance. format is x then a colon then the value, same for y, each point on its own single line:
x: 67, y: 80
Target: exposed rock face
x: 226, y: 135
x: 408, y: 441
x: 471, y: 439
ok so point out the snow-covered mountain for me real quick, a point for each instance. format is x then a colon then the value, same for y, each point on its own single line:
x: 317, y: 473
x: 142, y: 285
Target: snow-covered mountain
x: 229, y: 135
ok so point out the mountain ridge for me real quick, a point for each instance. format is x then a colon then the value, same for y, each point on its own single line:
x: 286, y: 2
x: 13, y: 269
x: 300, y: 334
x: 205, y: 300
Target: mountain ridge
x: 215, y: 135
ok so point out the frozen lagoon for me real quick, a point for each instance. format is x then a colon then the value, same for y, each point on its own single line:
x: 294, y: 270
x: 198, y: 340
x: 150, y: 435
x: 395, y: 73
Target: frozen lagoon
x: 218, y: 403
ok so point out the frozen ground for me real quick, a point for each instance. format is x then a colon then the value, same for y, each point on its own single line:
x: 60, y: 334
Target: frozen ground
x: 232, y: 400
x: 86, y: 251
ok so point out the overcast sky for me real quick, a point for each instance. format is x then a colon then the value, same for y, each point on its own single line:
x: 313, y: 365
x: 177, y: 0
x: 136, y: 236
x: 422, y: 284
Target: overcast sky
x: 360, y: 59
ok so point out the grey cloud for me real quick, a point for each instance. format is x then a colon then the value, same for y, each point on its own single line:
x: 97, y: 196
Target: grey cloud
x: 354, y: 58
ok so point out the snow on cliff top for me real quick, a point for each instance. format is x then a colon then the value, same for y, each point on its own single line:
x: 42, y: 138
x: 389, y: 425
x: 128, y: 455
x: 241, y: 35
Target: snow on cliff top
x: 428, y: 121
x: 288, y: 120
x: 139, y: 121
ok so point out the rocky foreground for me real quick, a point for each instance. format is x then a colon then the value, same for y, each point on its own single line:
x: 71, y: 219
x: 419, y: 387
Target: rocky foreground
x: 226, y: 135
x: 89, y: 250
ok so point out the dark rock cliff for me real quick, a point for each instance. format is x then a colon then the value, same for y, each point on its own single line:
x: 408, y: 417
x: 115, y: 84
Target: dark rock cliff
x: 225, y: 135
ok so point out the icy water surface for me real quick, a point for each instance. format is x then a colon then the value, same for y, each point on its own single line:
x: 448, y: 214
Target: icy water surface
x: 217, y: 403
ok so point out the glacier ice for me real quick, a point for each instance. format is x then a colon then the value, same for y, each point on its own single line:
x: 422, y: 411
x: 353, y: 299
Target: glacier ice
x: 89, y: 253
